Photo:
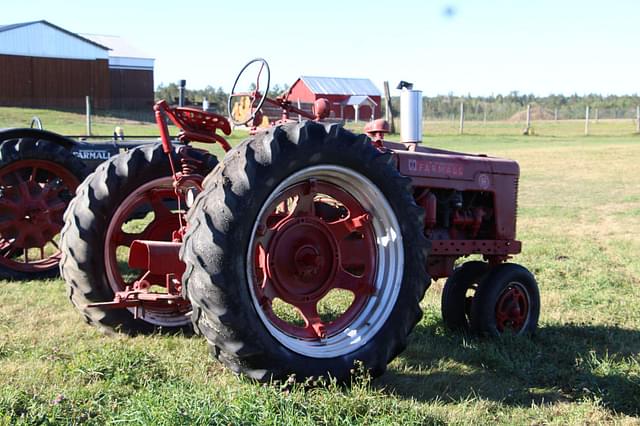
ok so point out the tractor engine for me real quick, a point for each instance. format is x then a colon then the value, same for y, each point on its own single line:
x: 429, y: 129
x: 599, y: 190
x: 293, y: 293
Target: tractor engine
x: 470, y: 203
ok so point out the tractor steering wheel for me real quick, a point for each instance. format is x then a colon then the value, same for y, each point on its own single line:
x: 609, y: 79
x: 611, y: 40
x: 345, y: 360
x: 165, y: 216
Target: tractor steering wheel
x: 253, y: 95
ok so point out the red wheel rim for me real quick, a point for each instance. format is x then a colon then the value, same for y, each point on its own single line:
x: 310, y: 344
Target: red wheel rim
x: 313, y: 238
x: 34, y: 196
x: 512, y: 308
x: 131, y: 222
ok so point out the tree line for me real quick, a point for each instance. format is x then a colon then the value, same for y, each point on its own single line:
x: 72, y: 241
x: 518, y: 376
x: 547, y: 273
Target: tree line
x: 445, y: 107
x: 216, y: 97
x: 504, y: 107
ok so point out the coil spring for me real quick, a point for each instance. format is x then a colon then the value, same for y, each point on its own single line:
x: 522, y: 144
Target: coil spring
x: 189, y: 164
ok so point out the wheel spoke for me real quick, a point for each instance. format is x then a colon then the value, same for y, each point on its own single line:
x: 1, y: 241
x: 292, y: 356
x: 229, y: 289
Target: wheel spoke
x: 10, y: 251
x: 313, y: 323
x: 51, y: 189
x: 23, y: 188
x: 268, y: 292
x: 305, y: 205
x: 157, y: 204
x: 126, y: 239
x: 340, y: 229
x: 34, y: 171
x: 359, y: 286
x: 8, y: 204
x: 58, y: 206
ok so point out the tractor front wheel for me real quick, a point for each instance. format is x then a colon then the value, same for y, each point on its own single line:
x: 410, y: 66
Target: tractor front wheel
x: 304, y: 255
x: 506, y: 302
x: 458, y: 294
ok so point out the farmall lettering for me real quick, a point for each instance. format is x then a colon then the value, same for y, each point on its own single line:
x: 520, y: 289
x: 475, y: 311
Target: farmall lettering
x: 93, y: 155
x: 435, y: 167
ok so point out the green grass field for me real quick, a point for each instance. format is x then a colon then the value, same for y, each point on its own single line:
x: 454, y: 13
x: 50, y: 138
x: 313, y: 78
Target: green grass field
x: 579, y: 220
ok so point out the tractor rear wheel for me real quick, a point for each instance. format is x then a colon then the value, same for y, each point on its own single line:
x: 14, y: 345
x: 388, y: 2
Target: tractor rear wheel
x: 304, y: 255
x: 130, y: 197
x: 506, y: 302
x: 38, y: 179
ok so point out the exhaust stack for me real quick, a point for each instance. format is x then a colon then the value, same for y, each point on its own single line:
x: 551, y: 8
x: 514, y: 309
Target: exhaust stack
x: 410, y: 113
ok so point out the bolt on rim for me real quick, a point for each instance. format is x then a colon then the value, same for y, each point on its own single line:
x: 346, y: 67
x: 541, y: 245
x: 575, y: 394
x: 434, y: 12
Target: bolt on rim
x: 512, y: 308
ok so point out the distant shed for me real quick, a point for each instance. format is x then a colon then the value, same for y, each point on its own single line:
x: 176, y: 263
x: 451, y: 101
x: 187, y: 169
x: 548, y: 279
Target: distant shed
x: 350, y: 98
x: 43, y: 65
x: 130, y: 71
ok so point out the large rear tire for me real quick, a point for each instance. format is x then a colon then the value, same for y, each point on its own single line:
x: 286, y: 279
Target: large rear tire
x: 304, y: 254
x: 129, y: 197
x: 38, y: 179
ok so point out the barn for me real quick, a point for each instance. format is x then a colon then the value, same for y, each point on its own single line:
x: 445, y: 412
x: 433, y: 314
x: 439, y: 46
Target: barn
x: 43, y: 65
x: 350, y: 98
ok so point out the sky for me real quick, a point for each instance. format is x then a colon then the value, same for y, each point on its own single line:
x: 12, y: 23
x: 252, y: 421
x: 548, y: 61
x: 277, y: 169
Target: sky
x: 477, y: 47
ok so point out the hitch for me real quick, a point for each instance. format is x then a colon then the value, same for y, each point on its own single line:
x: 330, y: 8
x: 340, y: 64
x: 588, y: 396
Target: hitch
x: 157, y: 258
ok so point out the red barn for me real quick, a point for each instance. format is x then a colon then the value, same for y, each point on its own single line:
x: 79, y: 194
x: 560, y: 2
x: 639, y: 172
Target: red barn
x: 350, y: 98
x: 43, y: 65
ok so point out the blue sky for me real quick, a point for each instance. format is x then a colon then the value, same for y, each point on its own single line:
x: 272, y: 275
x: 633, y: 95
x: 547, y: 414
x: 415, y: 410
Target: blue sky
x: 458, y: 46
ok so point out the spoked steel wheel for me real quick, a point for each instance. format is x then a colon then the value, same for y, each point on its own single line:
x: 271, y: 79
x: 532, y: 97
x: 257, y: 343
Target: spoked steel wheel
x: 318, y: 233
x: 150, y: 212
x: 304, y: 255
x: 33, y: 196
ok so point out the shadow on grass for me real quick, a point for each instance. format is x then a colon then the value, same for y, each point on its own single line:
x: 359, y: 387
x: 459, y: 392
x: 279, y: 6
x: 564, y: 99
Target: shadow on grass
x: 561, y: 363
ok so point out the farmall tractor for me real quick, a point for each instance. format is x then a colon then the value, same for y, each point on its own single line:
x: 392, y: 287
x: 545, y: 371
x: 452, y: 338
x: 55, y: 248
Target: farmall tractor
x: 39, y: 174
x: 306, y: 249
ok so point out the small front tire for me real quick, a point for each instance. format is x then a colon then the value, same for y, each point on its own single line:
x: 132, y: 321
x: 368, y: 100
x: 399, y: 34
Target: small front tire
x: 456, y: 297
x: 506, y: 302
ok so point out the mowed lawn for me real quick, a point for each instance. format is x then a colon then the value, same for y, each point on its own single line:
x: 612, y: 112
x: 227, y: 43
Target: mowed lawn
x: 579, y: 220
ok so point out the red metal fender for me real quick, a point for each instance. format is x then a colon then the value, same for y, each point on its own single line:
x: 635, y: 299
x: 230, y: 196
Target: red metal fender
x: 157, y: 257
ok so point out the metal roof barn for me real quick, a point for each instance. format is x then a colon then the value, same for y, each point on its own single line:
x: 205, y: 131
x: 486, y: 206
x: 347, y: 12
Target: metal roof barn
x: 43, y: 65
x: 45, y: 40
x: 350, y: 98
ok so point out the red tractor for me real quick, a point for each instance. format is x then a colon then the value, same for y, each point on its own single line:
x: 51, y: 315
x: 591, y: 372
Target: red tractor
x: 39, y: 173
x: 306, y: 249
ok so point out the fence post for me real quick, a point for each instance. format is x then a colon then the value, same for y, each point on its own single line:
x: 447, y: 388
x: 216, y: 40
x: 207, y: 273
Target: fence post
x: 638, y: 119
x: 586, y: 122
x: 461, y: 117
x: 555, y: 114
x: 388, y: 112
x: 596, y: 115
x: 527, y: 129
x: 88, y: 113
